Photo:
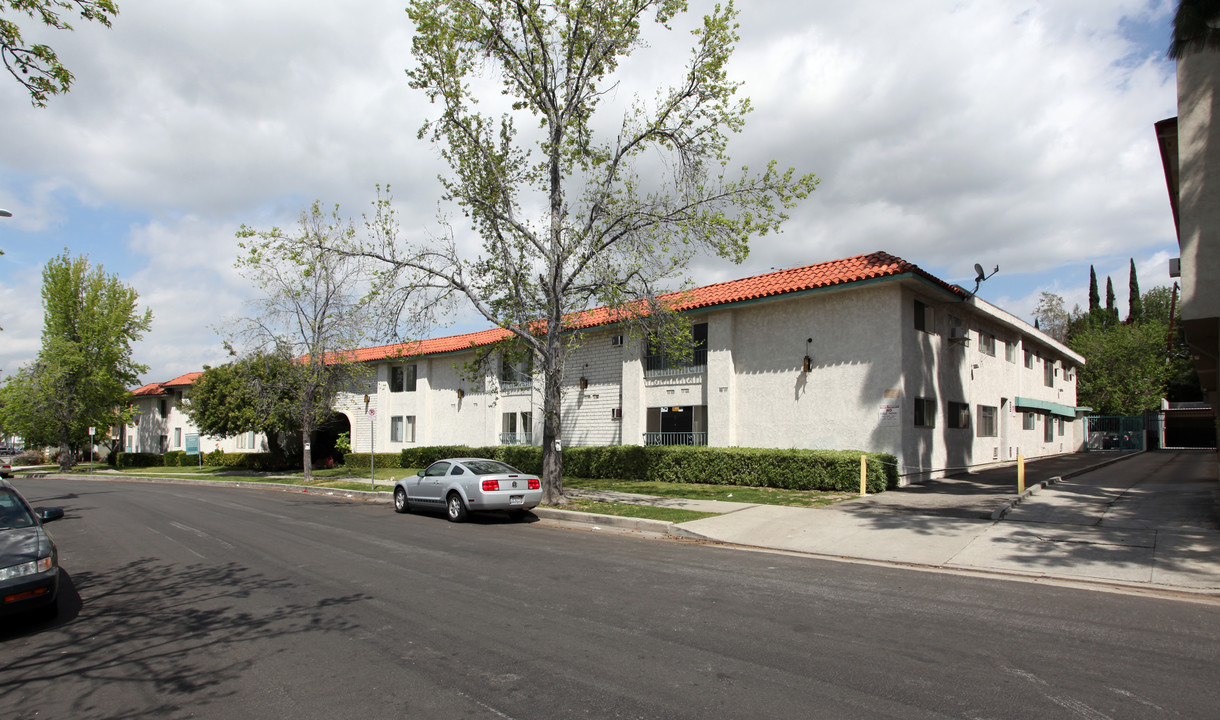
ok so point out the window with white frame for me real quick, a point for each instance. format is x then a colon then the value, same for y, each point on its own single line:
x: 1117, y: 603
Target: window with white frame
x: 1048, y: 432
x: 1028, y: 420
x: 1061, y: 423
x: 396, y: 428
x: 177, y: 437
x: 408, y: 431
x: 1029, y: 359
x: 986, y: 343
x: 1010, y: 351
x: 925, y: 412
x: 1048, y: 372
x: 987, y: 421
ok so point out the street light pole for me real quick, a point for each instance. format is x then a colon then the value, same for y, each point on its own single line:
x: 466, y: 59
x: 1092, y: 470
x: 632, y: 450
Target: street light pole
x: 5, y: 213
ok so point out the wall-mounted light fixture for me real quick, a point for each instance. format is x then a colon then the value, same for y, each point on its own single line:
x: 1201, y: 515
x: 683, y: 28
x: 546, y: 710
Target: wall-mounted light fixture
x: 584, y: 383
x: 807, y: 364
x: 461, y: 393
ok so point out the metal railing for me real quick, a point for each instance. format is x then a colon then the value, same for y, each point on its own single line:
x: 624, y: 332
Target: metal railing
x: 675, y: 438
x: 659, y: 365
x: 522, y: 438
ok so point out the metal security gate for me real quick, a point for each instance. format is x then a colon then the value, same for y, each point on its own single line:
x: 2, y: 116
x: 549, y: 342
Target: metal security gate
x: 1114, y: 433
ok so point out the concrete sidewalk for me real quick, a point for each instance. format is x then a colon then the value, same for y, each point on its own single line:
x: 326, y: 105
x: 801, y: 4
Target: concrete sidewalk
x: 1148, y: 521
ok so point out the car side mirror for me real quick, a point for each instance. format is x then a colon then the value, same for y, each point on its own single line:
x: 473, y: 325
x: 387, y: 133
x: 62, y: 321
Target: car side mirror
x: 49, y: 514
x: 419, y: 473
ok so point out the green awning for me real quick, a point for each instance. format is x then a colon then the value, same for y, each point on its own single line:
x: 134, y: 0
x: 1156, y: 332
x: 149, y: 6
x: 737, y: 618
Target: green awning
x: 1053, y: 408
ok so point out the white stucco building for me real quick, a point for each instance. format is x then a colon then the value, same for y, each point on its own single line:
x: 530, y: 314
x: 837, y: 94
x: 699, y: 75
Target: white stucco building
x: 865, y: 353
x: 1190, y: 152
x: 159, y: 424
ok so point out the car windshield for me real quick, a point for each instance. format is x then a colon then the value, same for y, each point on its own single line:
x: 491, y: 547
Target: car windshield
x: 489, y: 467
x: 12, y: 512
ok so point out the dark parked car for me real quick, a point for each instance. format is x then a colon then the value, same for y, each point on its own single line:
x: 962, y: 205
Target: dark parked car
x: 29, y: 562
x: 459, y: 485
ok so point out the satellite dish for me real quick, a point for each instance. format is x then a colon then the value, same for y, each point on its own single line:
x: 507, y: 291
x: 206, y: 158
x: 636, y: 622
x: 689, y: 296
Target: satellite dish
x: 981, y: 275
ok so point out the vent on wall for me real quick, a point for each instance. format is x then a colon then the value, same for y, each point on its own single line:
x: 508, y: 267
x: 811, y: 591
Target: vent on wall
x: 616, y: 340
x: 616, y: 413
x: 995, y: 453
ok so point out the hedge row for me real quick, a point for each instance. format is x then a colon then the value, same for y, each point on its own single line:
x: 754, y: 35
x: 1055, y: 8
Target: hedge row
x: 245, y: 461
x: 758, y: 467
x: 360, y: 461
x: 138, y: 460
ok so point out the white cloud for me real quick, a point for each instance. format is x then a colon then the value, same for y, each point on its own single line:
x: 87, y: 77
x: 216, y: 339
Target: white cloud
x: 1014, y: 132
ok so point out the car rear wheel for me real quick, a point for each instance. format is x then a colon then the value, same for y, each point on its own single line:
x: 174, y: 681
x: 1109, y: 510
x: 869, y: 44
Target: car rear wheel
x: 456, y: 508
x: 401, y: 505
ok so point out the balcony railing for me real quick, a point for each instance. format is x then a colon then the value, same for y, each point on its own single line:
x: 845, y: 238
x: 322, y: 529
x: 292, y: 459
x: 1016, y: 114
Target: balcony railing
x: 659, y: 365
x: 523, y: 438
x: 675, y: 438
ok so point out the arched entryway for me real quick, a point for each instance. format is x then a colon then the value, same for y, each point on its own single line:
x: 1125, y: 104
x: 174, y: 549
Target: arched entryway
x: 323, y: 440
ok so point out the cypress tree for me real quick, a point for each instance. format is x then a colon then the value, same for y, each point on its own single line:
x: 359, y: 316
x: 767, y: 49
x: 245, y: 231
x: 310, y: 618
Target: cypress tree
x: 1111, y: 311
x: 1094, y: 298
x: 1135, y: 304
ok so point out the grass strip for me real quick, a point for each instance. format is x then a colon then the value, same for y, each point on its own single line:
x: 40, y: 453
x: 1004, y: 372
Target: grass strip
x: 647, y: 512
x: 730, y: 493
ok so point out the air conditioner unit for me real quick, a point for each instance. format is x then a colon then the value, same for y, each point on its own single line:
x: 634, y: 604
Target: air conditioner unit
x: 959, y: 333
x: 616, y: 413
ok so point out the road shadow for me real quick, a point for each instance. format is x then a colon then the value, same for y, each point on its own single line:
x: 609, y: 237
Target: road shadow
x: 150, y: 639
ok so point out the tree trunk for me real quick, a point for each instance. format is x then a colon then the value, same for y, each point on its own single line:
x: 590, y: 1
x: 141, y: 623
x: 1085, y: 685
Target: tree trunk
x: 307, y: 454
x: 552, y: 459
x: 65, y: 457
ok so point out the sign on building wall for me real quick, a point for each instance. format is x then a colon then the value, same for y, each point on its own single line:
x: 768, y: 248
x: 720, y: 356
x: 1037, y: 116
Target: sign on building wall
x: 889, y: 412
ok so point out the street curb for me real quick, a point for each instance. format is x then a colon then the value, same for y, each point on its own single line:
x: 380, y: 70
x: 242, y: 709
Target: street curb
x: 1003, y: 510
x: 662, y: 527
x: 385, y: 497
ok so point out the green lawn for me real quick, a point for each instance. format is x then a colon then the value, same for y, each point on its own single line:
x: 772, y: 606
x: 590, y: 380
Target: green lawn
x: 647, y: 512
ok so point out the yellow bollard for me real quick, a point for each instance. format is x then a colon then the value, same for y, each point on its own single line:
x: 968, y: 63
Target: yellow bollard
x: 863, y: 475
x: 1020, y: 474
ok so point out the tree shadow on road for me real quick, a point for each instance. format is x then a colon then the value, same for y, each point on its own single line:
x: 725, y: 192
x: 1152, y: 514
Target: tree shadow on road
x: 151, y: 640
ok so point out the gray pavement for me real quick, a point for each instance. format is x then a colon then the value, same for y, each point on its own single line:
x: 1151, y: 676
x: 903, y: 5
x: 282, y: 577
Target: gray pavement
x: 1149, y: 520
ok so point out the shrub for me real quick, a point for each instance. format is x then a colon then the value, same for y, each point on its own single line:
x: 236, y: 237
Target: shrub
x: 29, y: 456
x: 360, y: 461
x: 173, y: 458
x: 759, y: 467
x: 139, y: 459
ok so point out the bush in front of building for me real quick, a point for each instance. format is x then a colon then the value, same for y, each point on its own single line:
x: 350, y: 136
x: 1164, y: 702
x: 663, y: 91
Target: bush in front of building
x: 173, y: 458
x: 826, y: 470
x: 360, y: 461
x: 139, y: 460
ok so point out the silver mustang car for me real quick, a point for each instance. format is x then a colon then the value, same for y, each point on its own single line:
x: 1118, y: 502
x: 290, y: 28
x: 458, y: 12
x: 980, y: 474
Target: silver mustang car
x: 462, y: 485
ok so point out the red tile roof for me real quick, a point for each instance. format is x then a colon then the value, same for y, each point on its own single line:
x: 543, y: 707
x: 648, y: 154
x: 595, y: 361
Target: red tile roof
x: 149, y: 390
x: 181, y: 380
x: 810, y: 277
x: 163, y: 388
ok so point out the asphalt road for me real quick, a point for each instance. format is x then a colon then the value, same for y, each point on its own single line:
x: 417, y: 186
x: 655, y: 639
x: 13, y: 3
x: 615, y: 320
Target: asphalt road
x: 184, y: 601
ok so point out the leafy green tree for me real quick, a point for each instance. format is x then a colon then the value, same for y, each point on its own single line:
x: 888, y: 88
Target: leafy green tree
x: 573, y: 215
x: 83, y: 372
x: 250, y: 394
x: 1135, y: 305
x: 36, y: 66
x: 1125, y: 372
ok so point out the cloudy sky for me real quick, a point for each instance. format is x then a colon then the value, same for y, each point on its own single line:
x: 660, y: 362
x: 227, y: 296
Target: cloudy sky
x: 1015, y: 133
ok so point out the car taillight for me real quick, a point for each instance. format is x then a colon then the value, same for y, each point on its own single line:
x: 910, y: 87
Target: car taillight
x: 491, y: 485
x: 535, y: 485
